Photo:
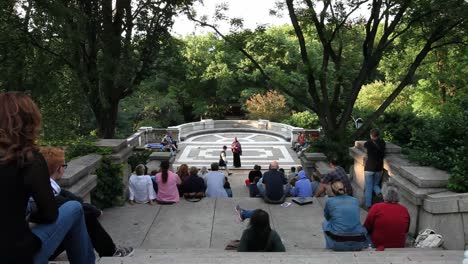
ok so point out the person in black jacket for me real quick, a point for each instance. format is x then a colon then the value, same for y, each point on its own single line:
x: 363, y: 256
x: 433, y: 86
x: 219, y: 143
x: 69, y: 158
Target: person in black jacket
x: 101, y: 240
x: 24, y: 176
x: 373, y: 166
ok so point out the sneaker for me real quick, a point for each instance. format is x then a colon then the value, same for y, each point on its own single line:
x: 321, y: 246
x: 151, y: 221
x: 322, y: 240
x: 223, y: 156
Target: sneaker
x: 123, y: 252
x: 239, y: 213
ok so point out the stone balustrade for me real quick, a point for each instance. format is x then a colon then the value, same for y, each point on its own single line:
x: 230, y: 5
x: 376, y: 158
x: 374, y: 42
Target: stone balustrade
x: 79, y: 177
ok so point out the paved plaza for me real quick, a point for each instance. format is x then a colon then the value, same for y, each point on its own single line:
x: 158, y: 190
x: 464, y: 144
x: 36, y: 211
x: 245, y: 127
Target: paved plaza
x: 258, y: 149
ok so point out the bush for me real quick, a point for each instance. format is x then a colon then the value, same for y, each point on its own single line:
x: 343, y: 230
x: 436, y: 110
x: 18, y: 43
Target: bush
x: 77, y: 147
x: 442, y: 143
x: 333, y: 149
x: 303, y: 119
x: 139, y: 157
x: 109, y: 189
x: 271, y: 106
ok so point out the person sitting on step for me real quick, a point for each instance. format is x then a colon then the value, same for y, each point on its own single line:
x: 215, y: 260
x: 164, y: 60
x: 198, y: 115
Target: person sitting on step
x: 167, y: 185
x: 302, y: 187
x: 388, y: 222
x: 337, y: 174
x: 274, y: 184
x: 342, y: 227
x: 101, y: 240
x: 252, y: 174
x: 214, y: 181
x: 194, y: 186
x: 140, y: 187
x: 258, y: 237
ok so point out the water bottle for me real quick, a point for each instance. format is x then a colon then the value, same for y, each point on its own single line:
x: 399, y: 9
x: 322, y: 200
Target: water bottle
x: 465, y: 260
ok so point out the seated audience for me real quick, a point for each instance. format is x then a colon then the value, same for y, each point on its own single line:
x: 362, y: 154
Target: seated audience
x: 292, y: 174
x: 183, y: 172
x: 140, y: 187
x: 214, y: 181
x: 302, y: 187
x: 388, y: 222
x: 253, y: 189
x: 342, y: 226
x: 203, y: 171
x: 337, y: 174
x: 254, y: 173
x: 24, y: 175
x: 274, y: 185
x: 194, y: 186
x: 259, y: 237
x: 101, y: 240
x: 167, y: 185
x: 227, y: 187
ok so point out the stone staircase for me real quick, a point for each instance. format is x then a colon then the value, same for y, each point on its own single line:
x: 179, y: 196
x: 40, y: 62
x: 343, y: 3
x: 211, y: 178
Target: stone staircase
x: 318, y: 256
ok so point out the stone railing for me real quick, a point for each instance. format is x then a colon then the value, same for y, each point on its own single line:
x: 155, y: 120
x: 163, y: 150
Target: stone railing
x: 79, y: 177
x: 423, y: 192
x: 182, y: 132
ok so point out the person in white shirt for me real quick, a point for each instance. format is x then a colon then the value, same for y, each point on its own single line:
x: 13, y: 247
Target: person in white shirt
x: 141, y: 187
x: 214, y: 181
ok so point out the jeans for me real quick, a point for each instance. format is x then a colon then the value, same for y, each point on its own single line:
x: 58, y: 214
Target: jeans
x: 343, y: 245
x: 247, y: 214
x: 372, y: 184
x: 69, y: 228
x: 229, y: 192
x: 260, y: 188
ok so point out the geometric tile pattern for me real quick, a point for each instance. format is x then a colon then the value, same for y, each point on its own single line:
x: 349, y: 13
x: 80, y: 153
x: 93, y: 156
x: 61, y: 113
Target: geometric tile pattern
x: 257, y: 148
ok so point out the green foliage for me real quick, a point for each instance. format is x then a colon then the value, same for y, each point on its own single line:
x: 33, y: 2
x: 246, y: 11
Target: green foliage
x: 372, y: 96
x: 442, y: 143
x: 139, y: 157
x: 109, y: 189
x: 305, y: 119
x: 77, y: 147
x: 333, y: 149
x: 271, y: 106
x: 458, y: 181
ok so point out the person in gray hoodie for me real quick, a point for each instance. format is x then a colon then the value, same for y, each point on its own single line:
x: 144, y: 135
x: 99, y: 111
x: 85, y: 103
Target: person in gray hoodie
x: 302, y: 187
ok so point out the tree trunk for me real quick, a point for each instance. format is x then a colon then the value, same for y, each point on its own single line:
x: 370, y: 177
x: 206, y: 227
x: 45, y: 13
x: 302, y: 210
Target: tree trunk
x: 106, y: 119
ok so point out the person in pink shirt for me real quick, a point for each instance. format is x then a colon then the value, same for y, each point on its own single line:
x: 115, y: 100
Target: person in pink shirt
x: 167, y: 185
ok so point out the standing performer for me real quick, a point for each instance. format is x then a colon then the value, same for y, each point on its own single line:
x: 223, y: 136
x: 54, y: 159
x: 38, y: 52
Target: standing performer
x: 223, y: 162
x: 236, y: 151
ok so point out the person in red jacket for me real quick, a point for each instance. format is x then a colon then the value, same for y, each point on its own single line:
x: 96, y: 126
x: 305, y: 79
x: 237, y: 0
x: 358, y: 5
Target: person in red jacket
x: 388, y: 222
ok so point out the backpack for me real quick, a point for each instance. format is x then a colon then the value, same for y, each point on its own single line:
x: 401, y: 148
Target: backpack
x: 428, y: 239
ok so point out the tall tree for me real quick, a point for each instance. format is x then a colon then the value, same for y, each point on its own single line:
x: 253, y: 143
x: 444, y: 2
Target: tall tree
x: 335, y: 82
x: 110, y: 45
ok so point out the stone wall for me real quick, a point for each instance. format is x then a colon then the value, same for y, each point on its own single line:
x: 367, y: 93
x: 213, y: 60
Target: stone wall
x: 79, y: 177
x: 423, y: 193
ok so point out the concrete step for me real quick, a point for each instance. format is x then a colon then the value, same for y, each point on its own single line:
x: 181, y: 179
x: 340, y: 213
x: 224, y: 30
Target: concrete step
x: 209, y: 256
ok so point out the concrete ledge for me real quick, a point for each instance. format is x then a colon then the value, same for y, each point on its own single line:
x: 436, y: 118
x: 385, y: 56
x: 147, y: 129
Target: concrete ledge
x: 115, y: 144
x: 412, y: 192
x: 160, y: 156
x: 84, y: 186
x: 323, y: 168
x: 314, y: 156
x: 389, y: 147
x: 425, y: 177
x: 446, y: 202
x: 122, y: 155
x: 79, y: 168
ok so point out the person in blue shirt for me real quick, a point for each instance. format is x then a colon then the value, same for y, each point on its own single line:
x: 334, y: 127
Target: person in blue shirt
x: 342, y: 227
x: 302, y: 187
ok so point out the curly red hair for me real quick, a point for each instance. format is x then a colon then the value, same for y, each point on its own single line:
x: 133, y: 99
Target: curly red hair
x: 20, y: 120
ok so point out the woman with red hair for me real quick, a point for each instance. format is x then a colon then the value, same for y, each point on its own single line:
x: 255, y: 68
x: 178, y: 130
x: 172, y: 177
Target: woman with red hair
x: 25, y: 175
